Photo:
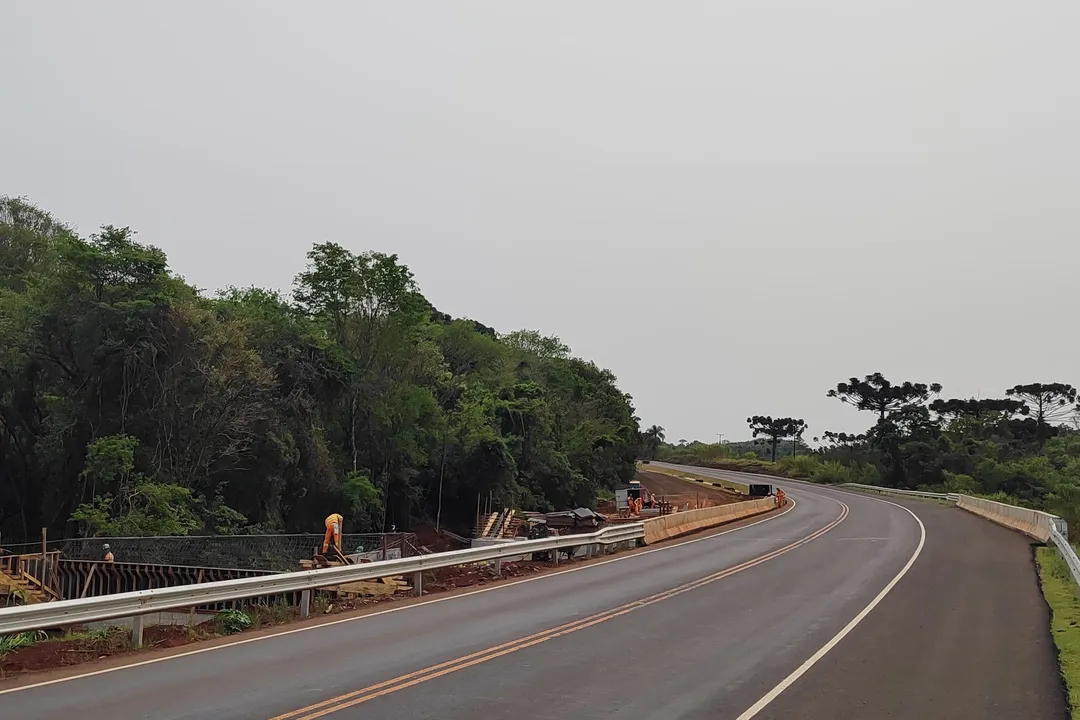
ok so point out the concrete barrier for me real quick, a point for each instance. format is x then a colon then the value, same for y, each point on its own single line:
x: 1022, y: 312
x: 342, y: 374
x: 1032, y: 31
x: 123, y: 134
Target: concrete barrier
x: 675, y: 524
x: 1037, y: 524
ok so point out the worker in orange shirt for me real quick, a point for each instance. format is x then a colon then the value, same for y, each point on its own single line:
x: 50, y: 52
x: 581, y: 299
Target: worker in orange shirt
x: 333, y: 530
x: 780, y: 497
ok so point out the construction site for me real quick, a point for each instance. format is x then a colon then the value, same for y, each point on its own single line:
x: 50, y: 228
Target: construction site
x: 81, y: 568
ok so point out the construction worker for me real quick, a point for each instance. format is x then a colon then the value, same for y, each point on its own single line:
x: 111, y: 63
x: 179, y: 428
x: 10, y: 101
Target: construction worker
x: 780, y: 497
x: 108, y: 553
x: 333, y: 530
x: 638, y: 504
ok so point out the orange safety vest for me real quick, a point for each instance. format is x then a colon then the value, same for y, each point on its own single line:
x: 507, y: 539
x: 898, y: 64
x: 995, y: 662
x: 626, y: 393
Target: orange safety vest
x: 335, y: 518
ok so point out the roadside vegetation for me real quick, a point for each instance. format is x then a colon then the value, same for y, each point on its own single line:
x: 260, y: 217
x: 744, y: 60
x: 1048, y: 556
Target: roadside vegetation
x: 1022, y: 448
x: 131, y: 403
x: 1061, y: 594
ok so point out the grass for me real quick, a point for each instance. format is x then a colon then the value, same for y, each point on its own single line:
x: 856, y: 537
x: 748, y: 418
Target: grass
x: 1061, y: 595
x: 10, y: 643
x: 101, y: 633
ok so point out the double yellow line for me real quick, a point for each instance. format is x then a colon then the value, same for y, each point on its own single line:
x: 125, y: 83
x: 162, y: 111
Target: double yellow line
x: 371, y: 692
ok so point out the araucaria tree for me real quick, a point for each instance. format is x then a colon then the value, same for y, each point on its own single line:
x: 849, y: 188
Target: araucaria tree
x: 775, y: 429
x: 876, y: 394
x: 1046, y: 402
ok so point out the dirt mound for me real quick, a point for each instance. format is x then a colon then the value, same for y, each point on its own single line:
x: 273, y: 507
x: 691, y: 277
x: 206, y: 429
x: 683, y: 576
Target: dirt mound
x: 433, y: 541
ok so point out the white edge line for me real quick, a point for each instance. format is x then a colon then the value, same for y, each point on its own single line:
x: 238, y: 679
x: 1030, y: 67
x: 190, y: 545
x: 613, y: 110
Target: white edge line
x: 425, y: 603
x: 790, y: 680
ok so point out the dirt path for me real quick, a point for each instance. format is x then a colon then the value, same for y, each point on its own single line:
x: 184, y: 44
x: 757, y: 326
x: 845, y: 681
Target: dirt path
x: 679, y: 492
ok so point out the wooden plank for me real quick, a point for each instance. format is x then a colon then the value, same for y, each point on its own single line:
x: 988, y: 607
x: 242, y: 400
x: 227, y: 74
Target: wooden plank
x: 89, y: 577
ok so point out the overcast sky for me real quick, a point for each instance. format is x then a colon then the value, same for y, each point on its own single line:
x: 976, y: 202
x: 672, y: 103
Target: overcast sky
x: 732, y: 205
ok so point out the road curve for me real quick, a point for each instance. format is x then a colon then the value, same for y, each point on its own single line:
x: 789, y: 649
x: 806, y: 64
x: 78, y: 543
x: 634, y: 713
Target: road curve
x: 701, y: 629
x: 965, y: 635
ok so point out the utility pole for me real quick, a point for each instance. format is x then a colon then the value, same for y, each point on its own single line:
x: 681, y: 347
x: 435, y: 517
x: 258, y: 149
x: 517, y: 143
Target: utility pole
x: 442, y: 472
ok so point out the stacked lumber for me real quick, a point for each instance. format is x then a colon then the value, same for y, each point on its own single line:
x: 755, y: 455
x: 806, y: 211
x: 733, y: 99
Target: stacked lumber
x: 367, y: 588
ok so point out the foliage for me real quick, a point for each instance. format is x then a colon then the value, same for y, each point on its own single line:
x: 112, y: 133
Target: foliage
x: 958, y: 408
x: 10, y: 643
x: 976, y: 447
x: 1047, y: 401
x: 130, y: 504
x: 132, y: 404
x: 776, y: 429
x: 1017, y: 449
x: 233, y: 621
x: 652, y: 439
x: 876, y: 394
x: 798, y: 466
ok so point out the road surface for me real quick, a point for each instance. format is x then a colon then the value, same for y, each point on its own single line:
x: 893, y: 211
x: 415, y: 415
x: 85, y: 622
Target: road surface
x: 701, y: 629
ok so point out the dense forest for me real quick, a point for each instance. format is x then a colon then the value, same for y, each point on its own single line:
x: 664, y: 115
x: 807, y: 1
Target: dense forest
x: 1022, y: 448
x: 131, y: 404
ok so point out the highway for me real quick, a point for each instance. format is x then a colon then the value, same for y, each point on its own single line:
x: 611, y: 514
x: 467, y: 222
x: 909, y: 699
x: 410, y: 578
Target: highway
x: 706, y: 627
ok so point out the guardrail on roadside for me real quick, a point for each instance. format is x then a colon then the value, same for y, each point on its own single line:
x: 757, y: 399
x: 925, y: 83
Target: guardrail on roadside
x: 143, y: 602
x: 903, y: 493
x: 1038, y: 524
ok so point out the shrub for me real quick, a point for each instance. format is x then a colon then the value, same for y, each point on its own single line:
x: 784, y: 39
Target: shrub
x: 799, y: 466
x: 233, y: 621
x: 833, y: 473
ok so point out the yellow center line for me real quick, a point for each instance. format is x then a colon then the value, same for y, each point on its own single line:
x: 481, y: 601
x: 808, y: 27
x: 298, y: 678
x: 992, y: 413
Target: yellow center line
x: 356, y: 697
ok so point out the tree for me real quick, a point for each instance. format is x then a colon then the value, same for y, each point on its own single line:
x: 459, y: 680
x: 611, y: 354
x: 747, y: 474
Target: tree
x: 876, y: 394
x: 795, y: 431
x: 1048, y: 402
x: 131, y: 504
x: 841, y: 439
x: 532, y: 342
x: 956, y: 407
x: 775, y: 429
x: 131, y: 403
x: 653, y: 438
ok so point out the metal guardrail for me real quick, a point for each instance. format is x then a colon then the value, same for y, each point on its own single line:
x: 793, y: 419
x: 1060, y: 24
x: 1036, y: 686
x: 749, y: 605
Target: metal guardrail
x: 1067, y: 552
x: 1056, y: 532
x: 952, y: 497
x: 142, y: 602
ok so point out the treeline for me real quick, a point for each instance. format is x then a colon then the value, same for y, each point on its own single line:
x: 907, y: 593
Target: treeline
x: 130, y: 404
x: 1022, y: 448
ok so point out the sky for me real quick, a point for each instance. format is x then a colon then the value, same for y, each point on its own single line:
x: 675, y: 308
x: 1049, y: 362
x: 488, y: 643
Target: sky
x: 733, y: 206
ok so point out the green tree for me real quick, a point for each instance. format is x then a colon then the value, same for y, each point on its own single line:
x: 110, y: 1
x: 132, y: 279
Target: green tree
x: 131, y: 504
x: 775, y: 429
x: 876, y: 394
x: 653, y: 439
x: 1048, y: 403
x: 251, y: 411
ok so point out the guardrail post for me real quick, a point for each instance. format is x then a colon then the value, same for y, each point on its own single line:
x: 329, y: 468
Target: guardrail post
x: 418, y: 583
x: 305, y: 604
x: 555, y: 556
x: 588, y: 551
x: 137, y: 631
x: 498, y: 567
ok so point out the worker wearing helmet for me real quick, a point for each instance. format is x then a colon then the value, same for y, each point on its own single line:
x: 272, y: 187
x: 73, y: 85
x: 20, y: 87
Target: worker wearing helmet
x: 333, y: 530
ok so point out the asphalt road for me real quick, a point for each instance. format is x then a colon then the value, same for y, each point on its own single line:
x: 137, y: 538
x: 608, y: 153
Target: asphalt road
x: 696, y: 630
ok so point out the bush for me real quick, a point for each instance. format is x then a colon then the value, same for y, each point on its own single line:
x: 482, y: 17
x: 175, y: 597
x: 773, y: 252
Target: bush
x: 833, y: 473
x: 798, y: 466
x: 233, y: 621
